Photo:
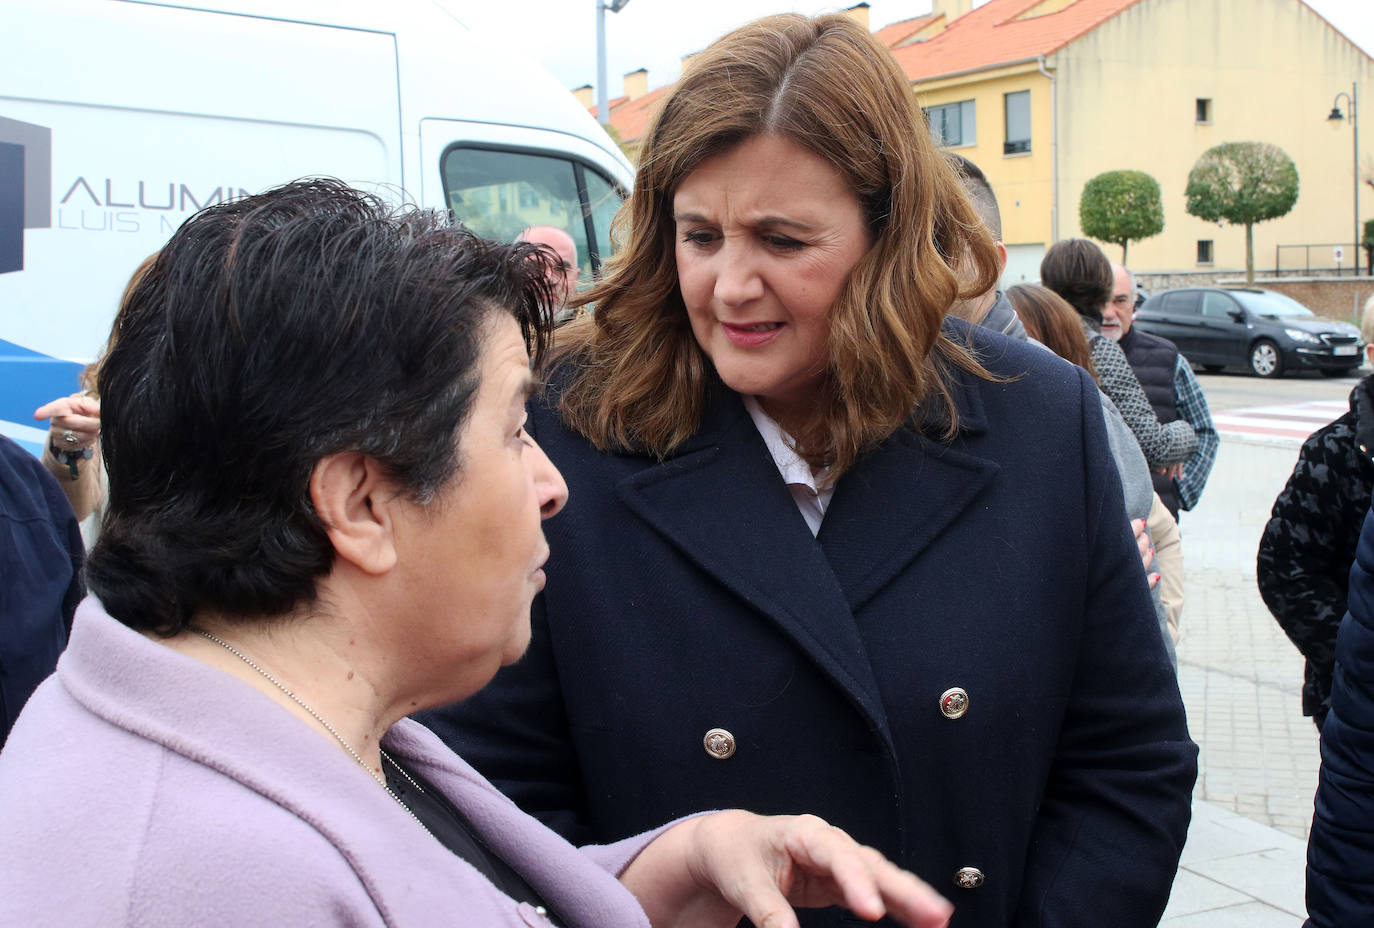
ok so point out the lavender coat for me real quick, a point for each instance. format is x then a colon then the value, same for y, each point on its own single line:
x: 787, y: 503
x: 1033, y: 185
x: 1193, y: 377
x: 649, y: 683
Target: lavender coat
x: 141, y: 787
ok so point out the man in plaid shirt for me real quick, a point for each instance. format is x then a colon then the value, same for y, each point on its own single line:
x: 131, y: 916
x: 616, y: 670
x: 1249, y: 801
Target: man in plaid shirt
x: 1174, y: 393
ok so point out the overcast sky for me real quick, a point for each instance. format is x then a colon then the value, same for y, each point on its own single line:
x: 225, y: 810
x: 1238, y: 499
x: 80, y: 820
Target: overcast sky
x: 655, y: 34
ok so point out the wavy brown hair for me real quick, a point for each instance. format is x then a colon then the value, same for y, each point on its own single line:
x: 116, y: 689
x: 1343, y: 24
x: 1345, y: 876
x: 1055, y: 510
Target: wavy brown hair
x: 640, y: 378
x: 91, y: 372
x: 1051, y: 321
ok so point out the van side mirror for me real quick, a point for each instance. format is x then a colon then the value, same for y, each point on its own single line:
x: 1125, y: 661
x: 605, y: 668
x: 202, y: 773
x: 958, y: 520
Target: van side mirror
x: 1236, y: 314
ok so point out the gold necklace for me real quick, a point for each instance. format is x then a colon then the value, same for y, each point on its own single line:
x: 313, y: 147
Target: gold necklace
x: 381, y: 781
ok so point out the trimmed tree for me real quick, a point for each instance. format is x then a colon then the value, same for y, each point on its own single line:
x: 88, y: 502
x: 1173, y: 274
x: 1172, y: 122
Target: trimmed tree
x: 1242, y: 183
x: 1121, y: 207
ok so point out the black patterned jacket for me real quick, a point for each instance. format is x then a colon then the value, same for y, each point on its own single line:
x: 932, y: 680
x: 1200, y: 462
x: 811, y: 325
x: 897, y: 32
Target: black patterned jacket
x: 1163, y: 443
x: 1307, y: 547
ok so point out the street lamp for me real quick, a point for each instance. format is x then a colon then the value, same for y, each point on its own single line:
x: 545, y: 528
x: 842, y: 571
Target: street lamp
x: 1336, y: 116
x: 603, y: 107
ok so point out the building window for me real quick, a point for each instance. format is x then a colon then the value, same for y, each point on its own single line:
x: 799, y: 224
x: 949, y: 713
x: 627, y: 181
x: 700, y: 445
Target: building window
x: 952, y: 124
x: 1018, y: 122
x: 1204, y: 251
x: 1204, y: 110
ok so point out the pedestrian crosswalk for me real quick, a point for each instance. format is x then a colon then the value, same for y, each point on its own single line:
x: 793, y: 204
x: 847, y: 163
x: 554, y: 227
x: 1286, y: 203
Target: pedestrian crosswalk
x: 1290, y: 423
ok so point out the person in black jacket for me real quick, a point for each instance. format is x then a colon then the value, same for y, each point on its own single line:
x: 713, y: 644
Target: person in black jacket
x: 40, y: 560
x: 1340, y: 847
x: 1307, y: 546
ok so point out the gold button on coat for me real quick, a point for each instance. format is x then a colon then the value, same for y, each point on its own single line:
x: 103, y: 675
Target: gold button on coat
x: 954, y: 702
x: 968, y: 878
x: 719, y: 743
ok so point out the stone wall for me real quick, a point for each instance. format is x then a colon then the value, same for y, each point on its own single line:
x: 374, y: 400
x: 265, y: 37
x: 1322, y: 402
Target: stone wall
x: 1331, y: 297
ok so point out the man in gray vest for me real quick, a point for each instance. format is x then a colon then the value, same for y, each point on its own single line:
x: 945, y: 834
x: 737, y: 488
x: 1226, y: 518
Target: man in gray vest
x: 1173, y: 391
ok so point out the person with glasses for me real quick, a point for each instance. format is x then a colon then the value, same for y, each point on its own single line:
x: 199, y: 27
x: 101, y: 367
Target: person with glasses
x: 1173, y: 391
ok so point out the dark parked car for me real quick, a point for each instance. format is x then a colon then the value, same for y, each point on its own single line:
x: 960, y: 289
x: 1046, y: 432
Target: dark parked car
x: 1259, y: 329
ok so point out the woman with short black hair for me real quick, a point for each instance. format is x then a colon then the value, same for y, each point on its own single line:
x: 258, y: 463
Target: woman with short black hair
x: 324, y: 514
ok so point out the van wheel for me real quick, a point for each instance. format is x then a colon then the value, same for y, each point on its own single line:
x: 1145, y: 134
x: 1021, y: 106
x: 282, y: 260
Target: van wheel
x: 1265, y: 359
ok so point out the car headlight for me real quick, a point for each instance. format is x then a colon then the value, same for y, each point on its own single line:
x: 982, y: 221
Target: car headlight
x: 1298, y: 335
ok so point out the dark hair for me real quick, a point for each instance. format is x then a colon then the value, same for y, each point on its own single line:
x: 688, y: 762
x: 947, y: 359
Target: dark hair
x: 827, y: 85
x: 1077, y: 270
x: 1052, y: 322
x: 270, y: 332
x: 979, y: 192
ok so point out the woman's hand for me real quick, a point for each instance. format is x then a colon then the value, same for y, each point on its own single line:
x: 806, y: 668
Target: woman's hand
x: 77, y: 414
x: 1147, y: 551
x: 710, y: 870
x: 74, y: 427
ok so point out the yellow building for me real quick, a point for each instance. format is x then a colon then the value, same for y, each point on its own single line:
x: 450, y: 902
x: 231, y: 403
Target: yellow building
x: 1045, y: 94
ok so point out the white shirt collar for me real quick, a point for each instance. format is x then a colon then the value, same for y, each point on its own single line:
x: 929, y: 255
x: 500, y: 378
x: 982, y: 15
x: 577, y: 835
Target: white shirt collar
x: 810, y: 500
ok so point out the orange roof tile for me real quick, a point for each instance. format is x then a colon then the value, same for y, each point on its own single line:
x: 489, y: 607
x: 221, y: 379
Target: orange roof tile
x: 992, y: 35
x: 611, y: 104
x: 631, y: 119
x: 892, y: 34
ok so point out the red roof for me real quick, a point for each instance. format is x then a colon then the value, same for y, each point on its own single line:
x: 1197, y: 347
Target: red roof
x: 894, y: 34
x: 631, y: 118
x: 992, y: 35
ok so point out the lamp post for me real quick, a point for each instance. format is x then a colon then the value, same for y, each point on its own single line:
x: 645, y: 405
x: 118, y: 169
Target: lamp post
x: 603, y: 107
x: 1336, y: 116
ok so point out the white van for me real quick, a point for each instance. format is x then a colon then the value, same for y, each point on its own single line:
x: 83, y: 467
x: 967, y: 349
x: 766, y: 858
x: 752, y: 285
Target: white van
x: 120, y: 118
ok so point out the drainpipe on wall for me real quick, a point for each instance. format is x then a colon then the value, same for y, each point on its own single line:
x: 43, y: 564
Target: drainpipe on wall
x: 1054, y: 150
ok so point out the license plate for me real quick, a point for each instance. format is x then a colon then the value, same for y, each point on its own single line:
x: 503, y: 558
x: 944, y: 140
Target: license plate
x: 1345, y: 349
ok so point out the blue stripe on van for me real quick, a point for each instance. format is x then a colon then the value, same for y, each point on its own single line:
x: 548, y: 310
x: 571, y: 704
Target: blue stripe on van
x: 29, y: 379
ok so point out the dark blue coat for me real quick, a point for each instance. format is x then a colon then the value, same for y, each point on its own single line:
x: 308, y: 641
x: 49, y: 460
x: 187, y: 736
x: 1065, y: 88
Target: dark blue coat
x: 1340, y: 849
x: 687, y: 595
x: 40, y: 576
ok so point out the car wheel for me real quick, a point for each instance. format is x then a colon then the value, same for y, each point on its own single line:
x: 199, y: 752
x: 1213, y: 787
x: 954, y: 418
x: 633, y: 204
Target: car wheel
x: 1213, y: 368
x: 1265, y: 359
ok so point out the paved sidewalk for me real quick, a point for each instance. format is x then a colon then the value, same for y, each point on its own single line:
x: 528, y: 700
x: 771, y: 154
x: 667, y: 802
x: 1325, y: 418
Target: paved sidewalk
x: 1240, y: 679
x: 1237, y: 873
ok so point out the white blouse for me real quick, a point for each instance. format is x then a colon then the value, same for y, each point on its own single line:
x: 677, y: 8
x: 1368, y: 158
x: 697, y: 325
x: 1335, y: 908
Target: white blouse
x: 811, y: 501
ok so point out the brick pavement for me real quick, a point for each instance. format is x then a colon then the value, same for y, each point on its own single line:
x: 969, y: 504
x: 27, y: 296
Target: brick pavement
x: 1240, y: 679
x: 1239, y: 674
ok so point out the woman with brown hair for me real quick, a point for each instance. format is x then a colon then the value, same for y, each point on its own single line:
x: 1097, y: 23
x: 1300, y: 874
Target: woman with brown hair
x: 1052, y: 322
x: 73, y: 451
x: 829, y: 550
